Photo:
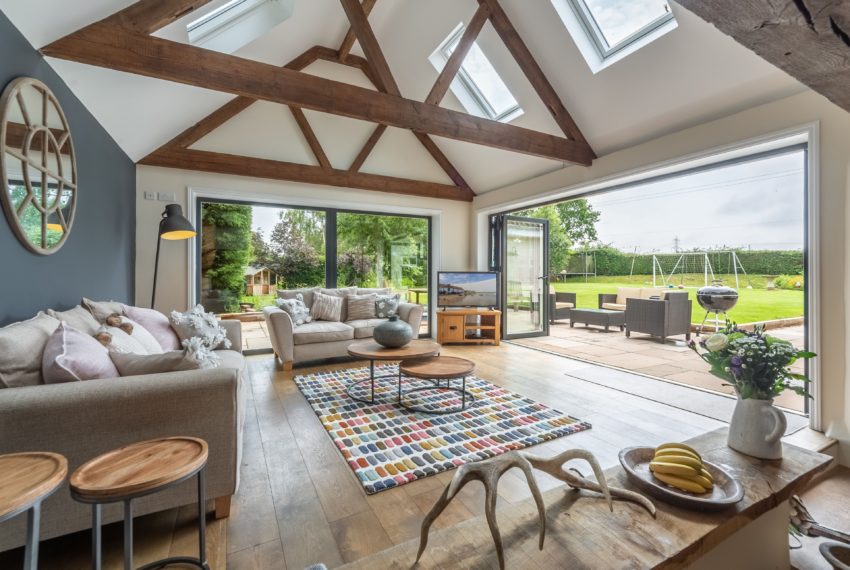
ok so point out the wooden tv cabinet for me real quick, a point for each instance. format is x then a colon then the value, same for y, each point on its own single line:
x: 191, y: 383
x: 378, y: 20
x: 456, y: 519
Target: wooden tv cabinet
x: 452, y: 327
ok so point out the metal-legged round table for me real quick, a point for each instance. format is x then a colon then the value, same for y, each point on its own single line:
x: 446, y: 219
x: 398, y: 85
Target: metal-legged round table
x: 135, y: 471
x: 26, y: 479
x: 372, y: 351
x: 437, y: 368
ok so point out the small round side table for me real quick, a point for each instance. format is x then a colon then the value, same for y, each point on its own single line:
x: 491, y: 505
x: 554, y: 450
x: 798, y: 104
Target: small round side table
x: 437, y: 368
x: 135, y: 471
x: 26, y: 479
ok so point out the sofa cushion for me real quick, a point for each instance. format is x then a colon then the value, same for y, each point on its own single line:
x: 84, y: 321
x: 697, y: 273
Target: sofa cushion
x: 614, y: 306
x: 343, y: 292
x: 79, y: 317
x: 322, y: 331
x: 363, y: 328
x: 135, y: 330
x: 326, y: 308
x: 387, y: 305
x: 375, y: 290
x: 649, y: 293
x: 21, y: 349
x: 296, y: 308
x: 117, y: 340
x: 101, y: 310
x: 140, y: 364
x: 564, y: 305
x: 157, y: 324
x: 361, y: 307
x: 71, y: 355
x: 306, y: 294
x: 198, y: 323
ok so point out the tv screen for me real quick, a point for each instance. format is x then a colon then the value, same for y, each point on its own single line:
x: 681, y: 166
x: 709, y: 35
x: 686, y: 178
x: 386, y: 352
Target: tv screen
x: 467, y: 289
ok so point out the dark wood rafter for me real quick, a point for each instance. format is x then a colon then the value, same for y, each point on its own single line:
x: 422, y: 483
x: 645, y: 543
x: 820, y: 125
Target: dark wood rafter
x: 447, y: 75
x: 221, y: 163
x: 148, y: 16
x: 528, y: 65
x: 808, y: 39
x: 350, y: 37
x: 310, y: 136
x: 367, y: 148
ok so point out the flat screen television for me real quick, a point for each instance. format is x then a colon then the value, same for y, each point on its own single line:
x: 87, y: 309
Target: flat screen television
x: 467, y: 289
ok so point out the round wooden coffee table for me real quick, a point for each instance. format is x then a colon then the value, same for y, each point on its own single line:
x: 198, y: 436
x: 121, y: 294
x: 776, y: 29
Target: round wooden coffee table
x: 438, y: 368
x: 26, y: 479
x: 372, y: 351
x: 137, y: 470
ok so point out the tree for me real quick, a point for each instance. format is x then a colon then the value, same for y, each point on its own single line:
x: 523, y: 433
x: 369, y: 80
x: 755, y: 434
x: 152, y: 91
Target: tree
x: 225, y: 252
x: 578, y: 219
x: 295, y: 250
x: 559, y: 242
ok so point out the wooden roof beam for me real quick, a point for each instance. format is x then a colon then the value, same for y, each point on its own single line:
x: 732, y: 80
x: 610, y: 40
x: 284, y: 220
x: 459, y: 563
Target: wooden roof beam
x: 350, y: 36
x: 447, y: 75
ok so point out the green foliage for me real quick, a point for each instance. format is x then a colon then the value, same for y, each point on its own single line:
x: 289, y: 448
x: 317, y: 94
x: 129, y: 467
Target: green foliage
x: 559, y: 242
x: 792, y: 282
x: 579, y: 220
x: 30, y: 219
x: 570, y: 223
x: 295, y: 250
x: 225, y: 251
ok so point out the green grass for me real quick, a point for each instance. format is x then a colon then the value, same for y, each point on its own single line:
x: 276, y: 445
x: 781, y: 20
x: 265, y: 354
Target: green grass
x: 754, y: 305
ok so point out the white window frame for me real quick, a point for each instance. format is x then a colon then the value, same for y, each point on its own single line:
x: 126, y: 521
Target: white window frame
x: 582, y: 26
x: 465, y: 88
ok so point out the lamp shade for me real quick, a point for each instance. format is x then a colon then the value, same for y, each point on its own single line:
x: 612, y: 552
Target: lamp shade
x: 174, y: 225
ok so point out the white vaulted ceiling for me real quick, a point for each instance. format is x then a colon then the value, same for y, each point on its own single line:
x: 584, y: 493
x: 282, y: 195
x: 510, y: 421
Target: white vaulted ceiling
x: 691, y: 75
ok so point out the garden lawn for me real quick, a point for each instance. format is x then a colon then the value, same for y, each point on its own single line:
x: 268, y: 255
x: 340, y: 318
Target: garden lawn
x: 754, y: 305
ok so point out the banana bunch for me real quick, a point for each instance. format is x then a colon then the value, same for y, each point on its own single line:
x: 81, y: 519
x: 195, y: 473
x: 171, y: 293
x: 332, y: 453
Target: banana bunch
x: 680, y: 466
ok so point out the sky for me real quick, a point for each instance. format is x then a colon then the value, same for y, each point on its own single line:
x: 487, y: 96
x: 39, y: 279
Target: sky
x: 264, y: 218
x: 752, y: 205
x: 619, y: 19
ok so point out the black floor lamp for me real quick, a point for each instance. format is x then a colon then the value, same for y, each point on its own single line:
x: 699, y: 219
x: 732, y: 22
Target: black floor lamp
x: 173, y: 226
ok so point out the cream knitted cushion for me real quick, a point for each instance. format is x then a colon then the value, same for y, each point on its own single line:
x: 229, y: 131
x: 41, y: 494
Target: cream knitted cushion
x: 361, y: 307
x: 326, y: 307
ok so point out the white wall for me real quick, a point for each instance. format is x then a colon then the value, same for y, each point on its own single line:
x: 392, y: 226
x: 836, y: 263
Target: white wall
x: 452, y: 228
x: 833, y: 174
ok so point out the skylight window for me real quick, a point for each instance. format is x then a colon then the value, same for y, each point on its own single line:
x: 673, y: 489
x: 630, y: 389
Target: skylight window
x: 608, y: 30
x: 236, y: 23
x: 478, y: 86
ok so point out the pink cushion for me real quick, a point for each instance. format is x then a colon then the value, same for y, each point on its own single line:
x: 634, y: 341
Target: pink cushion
x: 155, y: 323
x: 71, y: 355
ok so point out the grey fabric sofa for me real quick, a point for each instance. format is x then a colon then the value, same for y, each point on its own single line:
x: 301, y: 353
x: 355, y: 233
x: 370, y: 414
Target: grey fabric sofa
x: 318, y: 340
x: 81, y: 420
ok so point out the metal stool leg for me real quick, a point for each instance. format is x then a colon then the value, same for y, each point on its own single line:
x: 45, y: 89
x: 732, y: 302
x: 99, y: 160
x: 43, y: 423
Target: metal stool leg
x: 33, y: 524
x: 96, y: 560
x: 128, y: 534
x: 202, y: 520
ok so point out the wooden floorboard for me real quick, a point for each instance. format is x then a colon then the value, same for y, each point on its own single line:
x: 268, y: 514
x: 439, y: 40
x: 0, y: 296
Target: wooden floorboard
x: 299, y: 503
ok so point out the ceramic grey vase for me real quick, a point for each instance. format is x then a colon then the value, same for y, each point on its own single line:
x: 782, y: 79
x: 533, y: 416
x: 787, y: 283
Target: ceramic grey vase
x: 756, y: 429
x: 393, y: 334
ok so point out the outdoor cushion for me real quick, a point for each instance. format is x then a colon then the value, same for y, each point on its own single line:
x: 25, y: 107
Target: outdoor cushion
x: 322, y: 331
x: 306, y: 292
x: 363, y: 328
x: 564, y: 305
x: 79, y: 317
x: 652, y: 292
x: 613, y: 306
x: 624, y: 293
x: 21, y: 348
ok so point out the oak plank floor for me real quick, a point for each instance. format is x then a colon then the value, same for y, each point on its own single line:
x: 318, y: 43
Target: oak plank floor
x: 299, y: 503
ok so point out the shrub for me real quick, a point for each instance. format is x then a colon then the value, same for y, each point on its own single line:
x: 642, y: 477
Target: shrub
x: 793, y: 282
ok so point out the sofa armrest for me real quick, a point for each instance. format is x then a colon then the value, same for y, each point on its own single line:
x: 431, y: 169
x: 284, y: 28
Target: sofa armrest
x: 81, y: 420
x: 233, y: 330
x: 411, y: 313
x: 607, y: 298
x: 565, y: 297
x: 280, y: 328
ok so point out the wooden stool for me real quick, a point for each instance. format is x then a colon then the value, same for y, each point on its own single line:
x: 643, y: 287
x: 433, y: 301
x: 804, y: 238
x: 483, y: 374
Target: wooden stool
x: 135, y: 471
x: 437, y: 368
x: 26, y: 479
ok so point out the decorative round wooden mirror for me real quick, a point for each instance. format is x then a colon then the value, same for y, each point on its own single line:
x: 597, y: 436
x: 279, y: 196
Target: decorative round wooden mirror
x: 38, y: 166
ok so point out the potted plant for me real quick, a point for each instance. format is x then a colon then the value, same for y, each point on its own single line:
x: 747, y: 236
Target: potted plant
x: 757, y: 366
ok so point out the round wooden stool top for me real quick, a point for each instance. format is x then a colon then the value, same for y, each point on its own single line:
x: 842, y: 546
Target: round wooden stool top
x: 139, y: 468
x: 27, y: 478
x: 437, y: 367
x: 373, y: 351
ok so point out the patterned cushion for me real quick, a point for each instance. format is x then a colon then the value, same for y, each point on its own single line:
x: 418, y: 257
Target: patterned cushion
x: 387, y: 305
x: 72, y: 355
x: 305, y: 292
x: 361, y: 307
x: 197, y: 323
x: 21, y: 348
x: 326, y: 307
x: 296, y: 308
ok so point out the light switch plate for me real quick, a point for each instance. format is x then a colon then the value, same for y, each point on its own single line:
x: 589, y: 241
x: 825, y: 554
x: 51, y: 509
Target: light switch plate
x: 165, y: 197
x: 150, y: 195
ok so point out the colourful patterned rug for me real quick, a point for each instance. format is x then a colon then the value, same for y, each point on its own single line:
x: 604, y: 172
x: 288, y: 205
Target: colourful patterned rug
x: 386, y: 445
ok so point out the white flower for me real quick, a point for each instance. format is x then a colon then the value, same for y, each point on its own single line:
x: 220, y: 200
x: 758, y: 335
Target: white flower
x: 716, y: 342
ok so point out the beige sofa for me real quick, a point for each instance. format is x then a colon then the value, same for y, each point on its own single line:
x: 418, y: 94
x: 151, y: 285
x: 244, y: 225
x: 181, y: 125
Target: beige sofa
x: 81, y: 420
x: 618, y: 302
x: 323, y: 339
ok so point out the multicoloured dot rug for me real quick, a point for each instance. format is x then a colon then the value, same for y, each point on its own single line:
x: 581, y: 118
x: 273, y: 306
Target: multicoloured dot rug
x: 386, y: 445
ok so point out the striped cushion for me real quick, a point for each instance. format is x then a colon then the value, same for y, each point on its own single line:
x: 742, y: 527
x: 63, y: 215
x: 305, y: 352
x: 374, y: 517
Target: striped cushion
x: 326, y: 307
x: 361, y: 307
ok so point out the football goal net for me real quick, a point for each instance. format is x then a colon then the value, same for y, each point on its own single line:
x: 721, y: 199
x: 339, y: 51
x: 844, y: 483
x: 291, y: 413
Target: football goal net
x: 695, y: 268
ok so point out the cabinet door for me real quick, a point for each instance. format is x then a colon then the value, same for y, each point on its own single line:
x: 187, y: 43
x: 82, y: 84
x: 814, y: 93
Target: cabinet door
x: 451, y: 329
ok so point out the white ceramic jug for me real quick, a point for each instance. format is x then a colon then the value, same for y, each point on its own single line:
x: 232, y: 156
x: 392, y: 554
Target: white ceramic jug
x: 757, y: 429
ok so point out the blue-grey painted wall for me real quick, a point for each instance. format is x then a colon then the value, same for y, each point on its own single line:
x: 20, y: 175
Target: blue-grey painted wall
x: 97, y: 260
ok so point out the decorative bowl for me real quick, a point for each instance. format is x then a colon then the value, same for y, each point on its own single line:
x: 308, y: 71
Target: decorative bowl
x: 726, y: 492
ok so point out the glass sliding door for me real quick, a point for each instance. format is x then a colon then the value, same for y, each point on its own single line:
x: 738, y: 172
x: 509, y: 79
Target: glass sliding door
x: 376, y: 250
x: 525, y: 285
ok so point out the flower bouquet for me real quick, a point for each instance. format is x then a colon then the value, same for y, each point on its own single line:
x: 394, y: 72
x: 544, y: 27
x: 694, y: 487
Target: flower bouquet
x: 757, y: 366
